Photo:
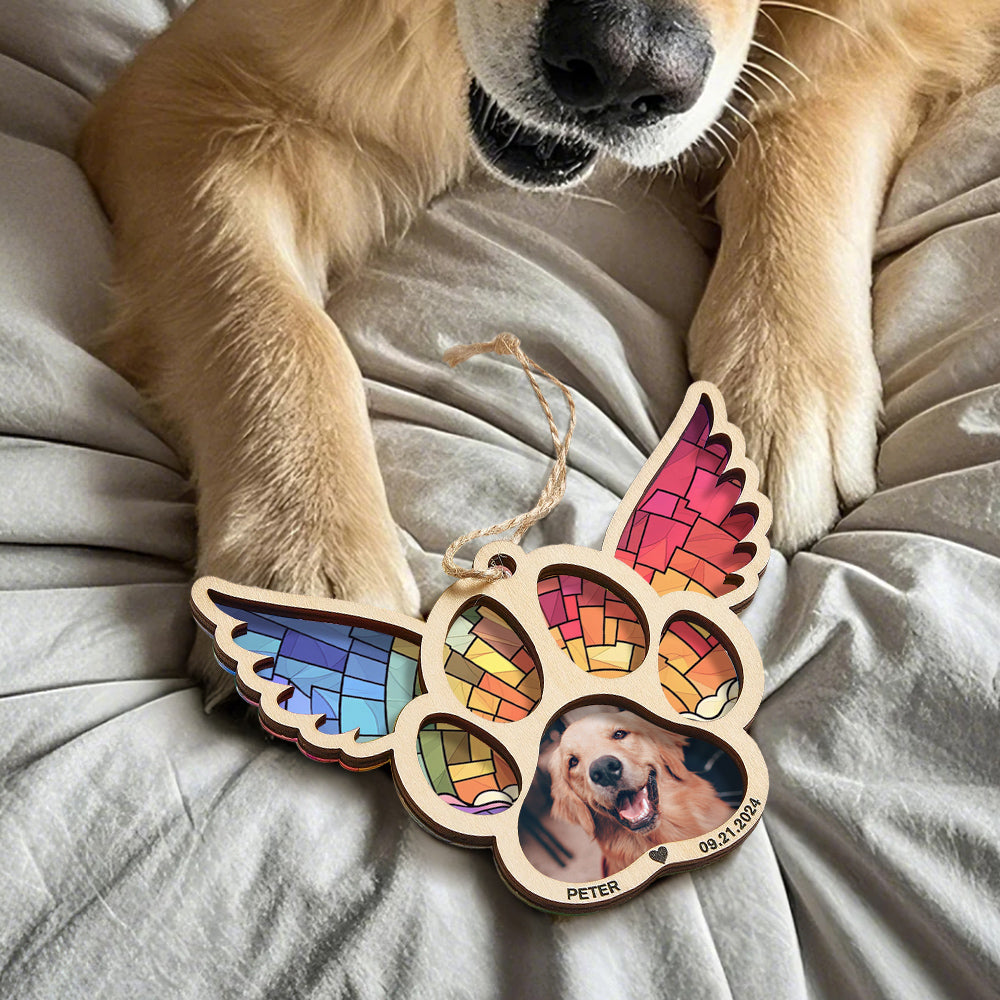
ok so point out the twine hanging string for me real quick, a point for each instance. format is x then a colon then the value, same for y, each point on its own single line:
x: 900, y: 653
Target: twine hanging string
x: 554, y: 489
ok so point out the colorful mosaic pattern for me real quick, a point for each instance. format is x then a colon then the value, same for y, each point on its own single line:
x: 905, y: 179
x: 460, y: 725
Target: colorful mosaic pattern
x: 489, y: 667
x: 697, y: 673
x: 597, y: 628
x: 466, y: 772
x: 356, y: 677
x: 683, y: 533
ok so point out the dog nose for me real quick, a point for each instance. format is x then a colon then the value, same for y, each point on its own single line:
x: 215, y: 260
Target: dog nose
x: 606, y: 771
x: 625, y: 62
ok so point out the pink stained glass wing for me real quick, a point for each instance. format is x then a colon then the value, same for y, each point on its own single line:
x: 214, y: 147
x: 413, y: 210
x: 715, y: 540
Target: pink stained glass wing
x: 685, y: 531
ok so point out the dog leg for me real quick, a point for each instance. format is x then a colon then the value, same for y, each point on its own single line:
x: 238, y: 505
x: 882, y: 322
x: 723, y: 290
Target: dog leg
x: 220, y: 321
x: 785, y: 325
x: 246, y: 161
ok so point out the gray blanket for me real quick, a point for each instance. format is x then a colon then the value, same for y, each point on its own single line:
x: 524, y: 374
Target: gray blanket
x: 150, y: 850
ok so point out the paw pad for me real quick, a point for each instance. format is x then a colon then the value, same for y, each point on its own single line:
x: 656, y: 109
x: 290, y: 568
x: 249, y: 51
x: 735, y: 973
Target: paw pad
x: 491, y: 668
x: 599, y: 628
x: 465, y: 771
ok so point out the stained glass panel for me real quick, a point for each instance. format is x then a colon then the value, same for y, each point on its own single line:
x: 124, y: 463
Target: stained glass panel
x: 465, y: 771
x: 697, y: 673
x: 598, y: 629
x: 357, y: 677
x: 683, y: 533
x: 489, y: 667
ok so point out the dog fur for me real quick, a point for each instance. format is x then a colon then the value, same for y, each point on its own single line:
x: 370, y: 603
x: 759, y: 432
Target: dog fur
x: 688, y: 804
x: 258, y: 150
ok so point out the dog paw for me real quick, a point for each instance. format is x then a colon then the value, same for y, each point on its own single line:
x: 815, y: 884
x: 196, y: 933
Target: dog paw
x: 371, y: 571
x: 810, y: 418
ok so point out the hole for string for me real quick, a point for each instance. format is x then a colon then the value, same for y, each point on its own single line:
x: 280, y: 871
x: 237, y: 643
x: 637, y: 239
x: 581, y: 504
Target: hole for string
x: 505, y: 564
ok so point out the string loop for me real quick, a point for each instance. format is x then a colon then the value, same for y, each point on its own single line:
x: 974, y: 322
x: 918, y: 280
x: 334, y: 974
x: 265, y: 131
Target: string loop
x: 555, y: 487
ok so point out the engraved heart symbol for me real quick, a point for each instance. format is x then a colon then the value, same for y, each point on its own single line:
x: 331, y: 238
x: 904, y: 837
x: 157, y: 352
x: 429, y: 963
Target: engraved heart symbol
x: 659, y: 855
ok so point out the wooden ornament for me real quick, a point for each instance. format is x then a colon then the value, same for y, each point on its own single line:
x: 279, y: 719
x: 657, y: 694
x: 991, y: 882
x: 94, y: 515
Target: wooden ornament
x: 626, y: 669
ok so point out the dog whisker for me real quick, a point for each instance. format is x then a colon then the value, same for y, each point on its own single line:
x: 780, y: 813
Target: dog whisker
x: 753, y: 128
x: 774, y: 24
x: 591, y: 199
x: 492, y: 114
x: 751, y: 79
x: 720, y: 146
x: 754, y: 68
x: 514, y: 136
x: 818, y: 13
x: 747, y: 95
x: 730, y: 134
x: 784, y: 59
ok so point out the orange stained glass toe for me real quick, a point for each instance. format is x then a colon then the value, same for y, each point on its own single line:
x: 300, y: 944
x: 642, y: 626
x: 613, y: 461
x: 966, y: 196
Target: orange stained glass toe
x: 599, y: 629
x: 696, y: 671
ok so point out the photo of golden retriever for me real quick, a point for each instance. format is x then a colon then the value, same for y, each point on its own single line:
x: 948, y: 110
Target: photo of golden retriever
x: 624, y: 784
x: 261, y: 150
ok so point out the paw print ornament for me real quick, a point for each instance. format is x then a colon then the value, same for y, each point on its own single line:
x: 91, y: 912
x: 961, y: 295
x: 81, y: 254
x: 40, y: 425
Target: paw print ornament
x: 582, y: 713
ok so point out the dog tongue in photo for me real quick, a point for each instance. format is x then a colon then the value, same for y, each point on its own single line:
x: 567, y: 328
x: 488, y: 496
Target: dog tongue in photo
x: 637, y: 807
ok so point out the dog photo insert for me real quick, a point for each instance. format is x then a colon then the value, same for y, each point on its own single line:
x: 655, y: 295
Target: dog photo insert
x: 610, y: 786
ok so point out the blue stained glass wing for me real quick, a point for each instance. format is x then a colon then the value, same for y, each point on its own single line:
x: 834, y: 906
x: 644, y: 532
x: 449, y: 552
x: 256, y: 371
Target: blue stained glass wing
x: 354, y: 675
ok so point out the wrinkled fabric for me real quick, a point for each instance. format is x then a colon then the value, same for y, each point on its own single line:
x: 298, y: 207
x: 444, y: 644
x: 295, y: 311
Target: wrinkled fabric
x: 150, y: 850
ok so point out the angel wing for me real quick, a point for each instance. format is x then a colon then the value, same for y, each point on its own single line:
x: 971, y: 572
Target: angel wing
x: 319, y: 670
x: 694, y: 518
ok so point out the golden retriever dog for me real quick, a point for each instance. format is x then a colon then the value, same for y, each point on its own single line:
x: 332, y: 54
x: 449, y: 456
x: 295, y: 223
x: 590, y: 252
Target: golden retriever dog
x: 623, y: 780
x: 261, y: 149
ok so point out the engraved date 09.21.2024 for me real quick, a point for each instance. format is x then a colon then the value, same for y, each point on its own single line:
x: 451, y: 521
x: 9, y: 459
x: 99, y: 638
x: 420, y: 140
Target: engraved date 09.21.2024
x: 740, y: 823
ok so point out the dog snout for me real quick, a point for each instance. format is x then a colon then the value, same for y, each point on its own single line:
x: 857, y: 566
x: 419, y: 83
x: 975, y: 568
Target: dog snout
x: 625, y: 62
x: 606, y: 771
